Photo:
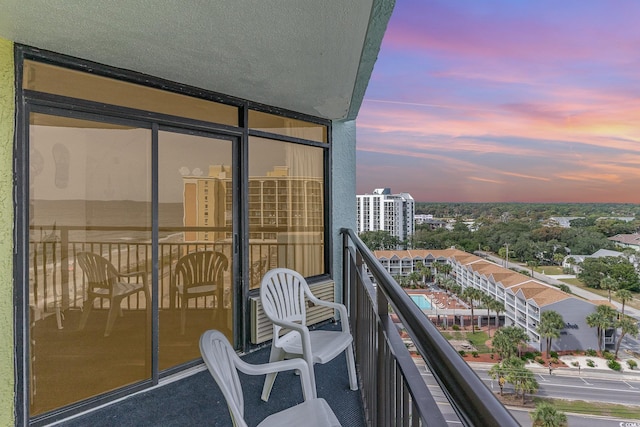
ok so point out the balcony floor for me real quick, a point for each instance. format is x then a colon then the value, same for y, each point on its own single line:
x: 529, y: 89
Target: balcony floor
x: 197, y: 400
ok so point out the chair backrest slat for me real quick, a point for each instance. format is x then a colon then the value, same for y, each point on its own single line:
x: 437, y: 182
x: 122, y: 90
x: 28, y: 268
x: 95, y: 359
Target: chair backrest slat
x: 99, y: 271
x: 282, y: 294
x: 201, y: 268
x: 219, y: 357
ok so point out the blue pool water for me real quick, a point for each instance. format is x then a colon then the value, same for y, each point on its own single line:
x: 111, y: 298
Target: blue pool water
x: 421, y: 301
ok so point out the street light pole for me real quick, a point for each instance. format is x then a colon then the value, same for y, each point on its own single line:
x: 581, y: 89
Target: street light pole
x: 506, y: 258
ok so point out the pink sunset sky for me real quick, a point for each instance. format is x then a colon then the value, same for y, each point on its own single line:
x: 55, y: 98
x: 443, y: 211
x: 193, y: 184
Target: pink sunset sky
x: 505, y: 101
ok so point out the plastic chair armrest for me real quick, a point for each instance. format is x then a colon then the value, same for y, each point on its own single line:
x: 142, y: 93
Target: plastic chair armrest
x: 133, y: 274
x: 336, y: 306
x: 283, y: 365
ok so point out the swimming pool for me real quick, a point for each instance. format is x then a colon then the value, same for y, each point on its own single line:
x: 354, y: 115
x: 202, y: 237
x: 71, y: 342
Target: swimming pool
x: 421, y: 301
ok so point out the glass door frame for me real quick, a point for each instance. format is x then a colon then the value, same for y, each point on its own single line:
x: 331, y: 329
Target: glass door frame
x: 21, y: 256
x: 238, y: 291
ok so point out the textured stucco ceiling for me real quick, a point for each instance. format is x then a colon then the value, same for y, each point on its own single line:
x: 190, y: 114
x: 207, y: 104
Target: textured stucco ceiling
x: 302, y: 55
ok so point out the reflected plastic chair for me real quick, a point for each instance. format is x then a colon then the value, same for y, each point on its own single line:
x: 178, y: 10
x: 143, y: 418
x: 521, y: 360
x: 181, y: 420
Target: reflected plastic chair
x: 199, y: 274
x: 282, y: 293
x: 104, y: 281
x: 223, y: 364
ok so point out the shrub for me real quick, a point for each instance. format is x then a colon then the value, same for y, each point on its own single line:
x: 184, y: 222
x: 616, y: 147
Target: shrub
x: 474, y: 353
x: 576, y: 364
x: 553, y: 354
x: 462, y: 353
x: 529, y: 355
x: 455, y: 327
x: 443, y: 325
x: 591, y: 363
x: 613, y: 364
x: 591, y: 352
x: 632, y: 363
x: 554, y: 360
x: 609, y: 356
x: 540, y: 360
x: 491, y: 355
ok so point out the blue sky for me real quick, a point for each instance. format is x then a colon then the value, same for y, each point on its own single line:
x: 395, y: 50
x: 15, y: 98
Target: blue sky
x: 505, y: 100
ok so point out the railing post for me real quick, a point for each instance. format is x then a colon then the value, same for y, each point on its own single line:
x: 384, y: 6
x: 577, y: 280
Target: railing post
x: 381, y: 392
x: 64, y: 267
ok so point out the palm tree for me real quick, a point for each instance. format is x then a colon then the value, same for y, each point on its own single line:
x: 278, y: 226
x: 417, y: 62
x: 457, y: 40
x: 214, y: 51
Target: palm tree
x: 487, y: 300
x: 527, y: 383
x: 571, y: 261
x: 507, y: 340
x: 420, y: 269
x: 414, y: 279
x: 609, y: 284
x: 446, y: 269
x: 624, y: 295
x: 558, y: 257
x: 601, y: 319
x: 627, y: 325
x: 551, y: 323
x: 498, y: 307
x: 472, y: 295
x: 546, y: 415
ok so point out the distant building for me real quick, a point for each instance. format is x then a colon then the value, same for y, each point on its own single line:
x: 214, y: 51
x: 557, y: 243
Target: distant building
x: 618, y: 218
x: 627, y: 240
x: 573, y: 261
x: 382, y: 210
x: 563, y: 221
x: 430, y: 221
x: 524, y: 298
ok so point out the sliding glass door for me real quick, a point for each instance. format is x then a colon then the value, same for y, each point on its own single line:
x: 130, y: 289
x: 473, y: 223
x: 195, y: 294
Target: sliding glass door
x: 90, y: 217
x: 195, y: 214
x: 91, y: 253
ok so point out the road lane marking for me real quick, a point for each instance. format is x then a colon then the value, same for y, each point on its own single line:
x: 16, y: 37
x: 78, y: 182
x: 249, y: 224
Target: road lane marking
x: 586, y: 382
x: 594, y: 388
x: 630, y: 386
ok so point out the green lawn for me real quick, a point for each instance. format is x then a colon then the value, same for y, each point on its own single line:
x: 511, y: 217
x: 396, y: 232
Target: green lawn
x: 576, y: 282
x: 552, y: 270
x: 478, y: 339
x: 594, y: 408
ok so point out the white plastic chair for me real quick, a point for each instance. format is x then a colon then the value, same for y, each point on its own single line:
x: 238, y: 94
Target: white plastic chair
x: 282, y: 293
x: 223, y: 363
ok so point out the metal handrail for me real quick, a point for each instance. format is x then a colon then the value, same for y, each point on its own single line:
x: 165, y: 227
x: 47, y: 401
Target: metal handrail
x: 474, y: 403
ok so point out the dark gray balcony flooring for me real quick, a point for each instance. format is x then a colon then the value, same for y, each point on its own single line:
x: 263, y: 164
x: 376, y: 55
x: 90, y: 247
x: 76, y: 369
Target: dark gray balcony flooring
x: 197, y: 400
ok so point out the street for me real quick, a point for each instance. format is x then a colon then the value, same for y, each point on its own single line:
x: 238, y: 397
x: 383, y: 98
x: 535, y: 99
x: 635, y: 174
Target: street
x: 604, y: 388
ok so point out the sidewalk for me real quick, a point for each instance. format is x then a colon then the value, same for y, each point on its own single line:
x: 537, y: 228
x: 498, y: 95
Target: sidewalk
x: 600, y: 370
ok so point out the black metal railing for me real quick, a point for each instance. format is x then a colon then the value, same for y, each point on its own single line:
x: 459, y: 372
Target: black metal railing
x: 393, y: 390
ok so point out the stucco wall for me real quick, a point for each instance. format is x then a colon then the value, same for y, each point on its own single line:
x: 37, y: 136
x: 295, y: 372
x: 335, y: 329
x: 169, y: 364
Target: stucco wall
x: 579, y: 335
x: 7, y: 108
x: 343, y: 186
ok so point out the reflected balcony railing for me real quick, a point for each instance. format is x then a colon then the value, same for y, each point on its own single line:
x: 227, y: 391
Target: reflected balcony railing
x: 57, y: 283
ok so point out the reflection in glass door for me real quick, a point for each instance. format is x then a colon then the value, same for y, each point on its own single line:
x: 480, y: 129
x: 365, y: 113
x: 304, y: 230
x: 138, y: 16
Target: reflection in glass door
x: 89, y: 259
x: 195, y: 215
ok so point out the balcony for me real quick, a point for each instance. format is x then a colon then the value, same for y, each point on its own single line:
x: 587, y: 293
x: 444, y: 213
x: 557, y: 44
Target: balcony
x: 392, y: 388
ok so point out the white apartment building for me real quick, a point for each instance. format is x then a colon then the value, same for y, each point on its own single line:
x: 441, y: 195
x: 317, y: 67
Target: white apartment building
x: 382, y: 210
x: 524, y: 298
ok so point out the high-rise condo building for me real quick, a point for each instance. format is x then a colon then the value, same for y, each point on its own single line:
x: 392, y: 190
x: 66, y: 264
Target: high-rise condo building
x: 382, y: 210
